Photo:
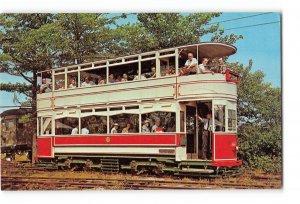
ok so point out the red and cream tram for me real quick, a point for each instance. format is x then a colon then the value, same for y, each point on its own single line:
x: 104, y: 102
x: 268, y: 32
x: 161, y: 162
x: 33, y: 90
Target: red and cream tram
x: 138, y: 113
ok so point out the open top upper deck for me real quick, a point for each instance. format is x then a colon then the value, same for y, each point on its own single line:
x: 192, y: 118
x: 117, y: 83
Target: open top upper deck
x: 78, y: 85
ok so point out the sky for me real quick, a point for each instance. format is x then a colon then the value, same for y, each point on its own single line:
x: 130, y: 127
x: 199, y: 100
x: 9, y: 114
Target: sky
x: 262, y: 44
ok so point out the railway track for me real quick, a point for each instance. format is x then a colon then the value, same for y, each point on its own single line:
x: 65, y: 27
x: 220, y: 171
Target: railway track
x: 25, y: 176
x: 21, y: 183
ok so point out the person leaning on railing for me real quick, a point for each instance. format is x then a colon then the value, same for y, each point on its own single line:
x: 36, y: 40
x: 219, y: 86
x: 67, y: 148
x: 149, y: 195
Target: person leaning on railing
x: 190, y: 66
x: 45, y: 87
x: 203, y: 67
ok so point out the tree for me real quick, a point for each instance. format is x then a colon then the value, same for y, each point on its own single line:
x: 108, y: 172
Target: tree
x: 34, y: 42
x: 163, y: 30
x: 259, y: 116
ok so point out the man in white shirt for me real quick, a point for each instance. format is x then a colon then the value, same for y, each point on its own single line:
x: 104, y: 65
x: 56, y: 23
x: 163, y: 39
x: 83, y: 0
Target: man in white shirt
x: 190, y: 66
x: 85, y: 131
x: 114, y: 130
x: 87, y: 82
x: 202, y: 68
x: 74, y: 131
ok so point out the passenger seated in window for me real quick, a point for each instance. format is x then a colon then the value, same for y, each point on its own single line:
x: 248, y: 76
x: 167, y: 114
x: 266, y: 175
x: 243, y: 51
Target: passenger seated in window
x: 72, y: 84
x: 153, y: 72
x: 127, y: 129
x: 84, y: 130
x: 190, y: 66
x: 136, y: 77
x: 202, y: 68
x: 125, y: 77
x: 45, y: 87
x: 146, y: 127
x: 101, y: 80
x: 87, y: 82
x: 118, y: 78
x: 61, y: 85
x: 111, y: 78
x: 156, y: 127
x: 114, y: 130
x: 74, y: 131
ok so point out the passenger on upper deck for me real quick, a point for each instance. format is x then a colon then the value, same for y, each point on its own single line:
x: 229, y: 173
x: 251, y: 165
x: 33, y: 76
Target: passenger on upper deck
x: 87, y: 82
x: 222, y: 66
x: 146, y: 127
x: 111, y: 78
x: 125, y: 77
x: 118, y: 78
x: 72, y: 84
x: 101, y: 80
x: 190, y: 66
x: 114, y: 130
x: 61, y: 85
x: 45, y: 87
x: 153, y: 72
x: 202, y: 68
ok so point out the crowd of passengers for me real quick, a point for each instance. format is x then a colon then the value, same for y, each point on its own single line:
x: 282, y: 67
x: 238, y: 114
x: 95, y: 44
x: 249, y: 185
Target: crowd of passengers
x: 191, y: 67
x: 146, y: 128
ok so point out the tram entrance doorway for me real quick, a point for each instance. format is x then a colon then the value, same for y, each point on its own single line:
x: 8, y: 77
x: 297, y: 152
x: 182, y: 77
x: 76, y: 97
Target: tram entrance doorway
x: 191, y: 132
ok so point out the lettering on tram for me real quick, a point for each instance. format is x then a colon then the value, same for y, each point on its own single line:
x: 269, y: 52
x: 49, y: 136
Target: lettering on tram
x: 173, y: 109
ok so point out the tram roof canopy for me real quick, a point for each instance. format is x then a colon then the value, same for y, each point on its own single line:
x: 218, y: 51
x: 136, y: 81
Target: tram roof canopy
x: 211, y: 50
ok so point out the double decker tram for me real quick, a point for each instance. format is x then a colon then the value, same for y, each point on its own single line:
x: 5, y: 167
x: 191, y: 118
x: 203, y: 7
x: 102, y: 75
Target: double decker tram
x: 138, y: 113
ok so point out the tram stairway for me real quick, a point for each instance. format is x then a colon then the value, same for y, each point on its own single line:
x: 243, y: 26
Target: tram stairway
x: 109, y: 165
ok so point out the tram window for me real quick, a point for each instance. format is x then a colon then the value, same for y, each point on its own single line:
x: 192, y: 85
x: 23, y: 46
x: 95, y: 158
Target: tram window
x: 46, y: 127
x: 182, y: 121
x: 160, y: 121
x: 95, y: 124
x: 231, y: 120
x: 72, y: 80
x: 167, y: 66
x: 219, y: 118
x: 66, y: 126
x: 126, y: 123
x: 93, y: 77
x: 123, y: 73
x: 59, y: 83
x: 148, y: 69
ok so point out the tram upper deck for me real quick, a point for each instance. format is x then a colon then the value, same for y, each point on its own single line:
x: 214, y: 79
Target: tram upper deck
x: 98, y: 82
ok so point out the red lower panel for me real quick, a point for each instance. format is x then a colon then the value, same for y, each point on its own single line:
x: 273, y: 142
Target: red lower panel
x: 224, y: 146
x: 44, y: 146
x: 117, y: 140
x: 227, y: 163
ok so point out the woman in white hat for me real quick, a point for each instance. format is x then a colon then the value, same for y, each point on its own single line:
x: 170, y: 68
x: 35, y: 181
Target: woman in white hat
x: 146, y: 127
x: 114, y: 130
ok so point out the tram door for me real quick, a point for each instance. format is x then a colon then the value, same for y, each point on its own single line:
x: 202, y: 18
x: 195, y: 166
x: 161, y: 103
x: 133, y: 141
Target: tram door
x: 191, y: 132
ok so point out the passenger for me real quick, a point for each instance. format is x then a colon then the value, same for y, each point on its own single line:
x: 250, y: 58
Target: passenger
x: 84, y: 130
x: 118, y: 79
x: 156, y: 127
x: 153, y: 72
x: 74, y: 131
x: 45, y: 87
x: 61, y: 85
x: 127, y: 128
x: 114, y: 130
x: 146, y: 127
x: 202, y: 68
x: 72, y: 84
x: 125, y: 77
x: 87, y: 82
x: 207, y: 128
x: 222, y: 66
x: 168, y: 72
x: 111, y: 78
x: 190, y: 66
x: 101, y: 80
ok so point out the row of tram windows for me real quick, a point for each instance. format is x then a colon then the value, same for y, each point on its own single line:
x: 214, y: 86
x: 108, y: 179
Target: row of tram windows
x: 153, y: 122
x: 98, y: 76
